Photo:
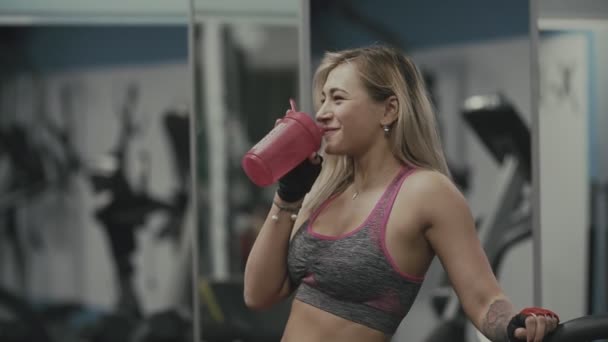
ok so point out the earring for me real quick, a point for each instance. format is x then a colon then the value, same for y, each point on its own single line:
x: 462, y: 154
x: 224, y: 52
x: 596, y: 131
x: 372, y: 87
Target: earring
x: 386, y: 129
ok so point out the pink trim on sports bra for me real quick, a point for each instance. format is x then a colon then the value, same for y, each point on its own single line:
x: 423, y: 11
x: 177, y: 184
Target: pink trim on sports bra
x: 358, y: 228
x: 388, y: 256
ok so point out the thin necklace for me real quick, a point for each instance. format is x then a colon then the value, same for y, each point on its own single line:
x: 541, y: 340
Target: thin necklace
x: 356, y: 192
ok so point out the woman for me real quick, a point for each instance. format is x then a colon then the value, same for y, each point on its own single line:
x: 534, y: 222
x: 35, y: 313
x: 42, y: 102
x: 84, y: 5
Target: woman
x: 375, y: 215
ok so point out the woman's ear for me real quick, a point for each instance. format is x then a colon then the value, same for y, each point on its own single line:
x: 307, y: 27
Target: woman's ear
x: 391, y: 112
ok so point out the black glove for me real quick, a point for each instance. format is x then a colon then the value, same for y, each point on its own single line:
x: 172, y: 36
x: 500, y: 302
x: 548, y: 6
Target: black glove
x: 519, y: 320
x: 298, y: 182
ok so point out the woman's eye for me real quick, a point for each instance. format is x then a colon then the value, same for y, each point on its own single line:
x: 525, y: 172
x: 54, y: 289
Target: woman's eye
x: 338, y: 98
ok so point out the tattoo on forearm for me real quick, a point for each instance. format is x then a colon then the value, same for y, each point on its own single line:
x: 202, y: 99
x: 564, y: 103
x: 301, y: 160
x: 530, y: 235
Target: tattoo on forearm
x: 495, y: 322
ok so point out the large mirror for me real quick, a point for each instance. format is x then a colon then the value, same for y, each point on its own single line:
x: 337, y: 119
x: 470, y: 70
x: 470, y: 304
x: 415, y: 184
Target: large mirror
x: 95, y: 206
x: 245, y: 62
x: 573, y: 81
x: 249, y: 58
x: 475, y: 58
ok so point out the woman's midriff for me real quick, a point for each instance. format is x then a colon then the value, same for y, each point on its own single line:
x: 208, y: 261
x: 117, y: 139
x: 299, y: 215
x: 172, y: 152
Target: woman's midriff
x: 308, y: 323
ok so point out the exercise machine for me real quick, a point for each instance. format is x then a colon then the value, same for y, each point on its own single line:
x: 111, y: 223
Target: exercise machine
x: 130, y: 205
x: 125, y: 214
x: 582, y: 329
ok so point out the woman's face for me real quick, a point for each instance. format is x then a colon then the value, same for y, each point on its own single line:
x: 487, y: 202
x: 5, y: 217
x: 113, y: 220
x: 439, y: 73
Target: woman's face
x: 351, y: 119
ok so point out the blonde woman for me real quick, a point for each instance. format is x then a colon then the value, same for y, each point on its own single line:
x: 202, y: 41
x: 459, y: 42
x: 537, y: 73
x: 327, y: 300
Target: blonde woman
x: 354, y: 233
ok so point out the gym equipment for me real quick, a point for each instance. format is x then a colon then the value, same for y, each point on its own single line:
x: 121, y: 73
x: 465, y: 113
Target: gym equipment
x: 26, y: 160
x: 129, y: 208
x: 125, y: 214
x: 33, y: 167
x: 40, y: 156
x: 582, y: 329
x: 177, y: 124
x: 120, y: 218
x: 27, y: 178
x: 500, y: 128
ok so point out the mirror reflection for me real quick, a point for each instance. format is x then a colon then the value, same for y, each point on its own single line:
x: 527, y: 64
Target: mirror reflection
x: 478, y: 76
x: 95, y: 183
x: 476, y: 67
x: 246, y: 70
x: 572, y: 121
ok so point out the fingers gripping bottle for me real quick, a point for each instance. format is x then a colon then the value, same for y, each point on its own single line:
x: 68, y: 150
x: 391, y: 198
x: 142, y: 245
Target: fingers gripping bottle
x: 295, y: 137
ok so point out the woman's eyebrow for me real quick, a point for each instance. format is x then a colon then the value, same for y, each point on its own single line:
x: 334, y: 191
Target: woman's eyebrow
x: 333, y: 90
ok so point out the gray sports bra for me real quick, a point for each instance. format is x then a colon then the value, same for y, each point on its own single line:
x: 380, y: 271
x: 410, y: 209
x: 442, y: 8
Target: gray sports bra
x: 353, y: 276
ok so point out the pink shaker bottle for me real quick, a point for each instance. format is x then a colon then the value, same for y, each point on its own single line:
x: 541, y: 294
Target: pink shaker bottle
x: 290, y: 142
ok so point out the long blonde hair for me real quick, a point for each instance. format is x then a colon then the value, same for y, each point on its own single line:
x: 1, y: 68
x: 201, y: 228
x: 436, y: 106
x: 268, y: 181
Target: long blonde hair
x: 414, y: 138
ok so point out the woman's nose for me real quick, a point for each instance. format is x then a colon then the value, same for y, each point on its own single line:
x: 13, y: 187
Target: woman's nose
x: 323, y: 115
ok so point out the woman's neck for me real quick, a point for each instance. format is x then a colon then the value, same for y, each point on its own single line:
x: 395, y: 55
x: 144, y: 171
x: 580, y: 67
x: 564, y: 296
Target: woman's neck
x: 373, y: 169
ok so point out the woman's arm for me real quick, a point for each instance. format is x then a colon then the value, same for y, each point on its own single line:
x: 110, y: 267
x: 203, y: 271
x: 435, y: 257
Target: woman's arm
x: 266, y: 278
x: 453, y: 237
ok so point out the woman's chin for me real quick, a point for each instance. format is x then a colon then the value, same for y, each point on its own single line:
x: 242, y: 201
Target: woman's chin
x: 330, y: 149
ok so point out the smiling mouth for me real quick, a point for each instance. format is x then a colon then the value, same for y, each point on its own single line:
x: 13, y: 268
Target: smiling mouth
x: 328, y: 131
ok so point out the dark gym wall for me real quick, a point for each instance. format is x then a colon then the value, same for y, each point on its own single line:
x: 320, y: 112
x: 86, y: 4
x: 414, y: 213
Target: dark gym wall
x: 419, y: 19
x: 64, y: 47
x: 59, y: 48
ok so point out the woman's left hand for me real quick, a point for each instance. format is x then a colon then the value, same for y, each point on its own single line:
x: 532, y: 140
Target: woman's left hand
x: 537, y: 326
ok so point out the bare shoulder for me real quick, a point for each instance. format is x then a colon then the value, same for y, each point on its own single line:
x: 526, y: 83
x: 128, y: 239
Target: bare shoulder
x: 435, y: 194
x: 430, y: 184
